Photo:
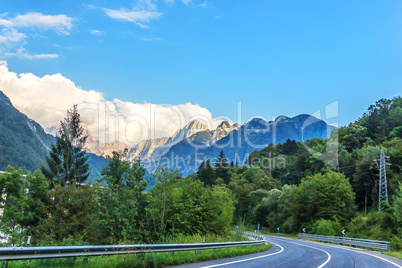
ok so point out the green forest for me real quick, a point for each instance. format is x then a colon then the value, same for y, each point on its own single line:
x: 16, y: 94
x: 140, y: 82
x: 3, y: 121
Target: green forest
x: 293, y: 185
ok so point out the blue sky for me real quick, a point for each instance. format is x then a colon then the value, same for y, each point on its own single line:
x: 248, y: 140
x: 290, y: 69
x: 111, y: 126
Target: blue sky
x: 276, y: 57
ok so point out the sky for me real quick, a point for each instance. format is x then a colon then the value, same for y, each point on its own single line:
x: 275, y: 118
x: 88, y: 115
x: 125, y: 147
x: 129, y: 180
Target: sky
x: 188, y: 59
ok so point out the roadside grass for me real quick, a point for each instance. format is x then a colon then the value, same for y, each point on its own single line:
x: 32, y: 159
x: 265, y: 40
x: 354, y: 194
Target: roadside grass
x: 266, y: 232
x: 153, y: 259
x: 144, y: 259
x: 396, y: 254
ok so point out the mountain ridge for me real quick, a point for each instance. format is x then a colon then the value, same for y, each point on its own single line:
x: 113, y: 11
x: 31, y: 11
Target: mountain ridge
x: 24, y: 143
x: 185, y: 150
x: 254, y: 135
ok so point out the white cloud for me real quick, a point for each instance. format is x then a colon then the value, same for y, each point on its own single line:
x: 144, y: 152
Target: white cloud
x: 194, y: 4
x: 11, y: 36
x: 138, y: 17
x: 6, y: 23
x: 20, y: 53
x: 90, y: 6
x: 151, y: 39
x: 97, y: 32
x: 146, y: 4
x: 46, y: 100
x: 62, y: 24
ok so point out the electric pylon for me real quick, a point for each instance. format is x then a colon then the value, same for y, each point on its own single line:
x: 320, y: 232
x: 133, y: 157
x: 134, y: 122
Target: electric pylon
x: 382, y: 186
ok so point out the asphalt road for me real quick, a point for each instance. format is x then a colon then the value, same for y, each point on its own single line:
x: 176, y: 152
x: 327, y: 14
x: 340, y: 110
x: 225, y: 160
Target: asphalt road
x: 287, y: 252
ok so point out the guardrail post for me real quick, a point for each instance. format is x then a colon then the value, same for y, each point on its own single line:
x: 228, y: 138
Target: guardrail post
x: 4, y: 264
x: 196, y: 251
x: 172, y: 253
x: 214, y: 249
x: 85, y: 260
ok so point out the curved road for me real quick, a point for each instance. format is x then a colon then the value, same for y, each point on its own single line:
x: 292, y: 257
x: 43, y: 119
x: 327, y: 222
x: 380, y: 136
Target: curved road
x: 287, y: 252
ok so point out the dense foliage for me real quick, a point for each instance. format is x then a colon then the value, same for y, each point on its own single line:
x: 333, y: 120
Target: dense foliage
x: 330, y: 185
x: 323, y: 185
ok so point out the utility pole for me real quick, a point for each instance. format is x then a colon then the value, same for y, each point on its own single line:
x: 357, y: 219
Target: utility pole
x: 382, y: 185
x: 365, y: 205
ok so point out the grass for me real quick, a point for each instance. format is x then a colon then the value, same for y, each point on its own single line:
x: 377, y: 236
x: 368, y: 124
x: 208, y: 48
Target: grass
x: 144, y: 259
x: 266, y: 232
x: 396, y: 254
x: 153, y: 259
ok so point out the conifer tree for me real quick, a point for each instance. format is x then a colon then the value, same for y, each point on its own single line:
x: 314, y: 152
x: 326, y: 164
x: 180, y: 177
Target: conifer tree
x: 206, y: 173
x: 67, y: 162
x: 222, y: 168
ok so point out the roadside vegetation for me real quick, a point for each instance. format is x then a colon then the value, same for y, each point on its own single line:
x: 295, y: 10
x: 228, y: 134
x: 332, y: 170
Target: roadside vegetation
x: 153, y: 259
x: 307, y: 190
x: 54, y: 207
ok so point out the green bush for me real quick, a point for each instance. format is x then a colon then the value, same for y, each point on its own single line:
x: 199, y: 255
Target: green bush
x: 376, y: 225
x: 327, y: 227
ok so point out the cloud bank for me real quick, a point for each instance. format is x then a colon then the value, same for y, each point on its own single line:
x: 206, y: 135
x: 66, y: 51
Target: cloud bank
x: 60, y: 23
x: 13, y: 41
x: 138, y: 17
x: 46, y: 100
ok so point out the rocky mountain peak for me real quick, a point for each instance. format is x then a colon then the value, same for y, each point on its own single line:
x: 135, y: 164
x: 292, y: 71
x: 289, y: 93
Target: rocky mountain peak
x: 281, y: 118
x: 256, y: 123
x: 224, y: 124
x: 223, y: 130
x: 190, y: 129
x: 195, y: 124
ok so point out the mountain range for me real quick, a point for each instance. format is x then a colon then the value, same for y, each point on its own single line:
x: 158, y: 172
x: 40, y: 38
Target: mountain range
x: 194, y: 143
x: 239, y: 141
x: 24, y: 143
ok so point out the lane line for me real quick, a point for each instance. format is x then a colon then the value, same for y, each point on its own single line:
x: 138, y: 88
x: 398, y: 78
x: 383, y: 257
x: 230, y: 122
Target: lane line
x: 366, y: 253
x: 322, y: 265
x: 249, y: 259
x: 353, y: 250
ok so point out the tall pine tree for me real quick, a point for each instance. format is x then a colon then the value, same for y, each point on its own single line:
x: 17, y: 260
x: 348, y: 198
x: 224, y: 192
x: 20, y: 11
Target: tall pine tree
x: 206, y: 173
x: 222, y: 168
x: 67, y: 162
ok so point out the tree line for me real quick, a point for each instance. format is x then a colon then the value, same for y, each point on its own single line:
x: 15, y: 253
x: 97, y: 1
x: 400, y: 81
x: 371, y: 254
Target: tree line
x: 322, y: 194
x: 53, y: 205
x: 306, y: 192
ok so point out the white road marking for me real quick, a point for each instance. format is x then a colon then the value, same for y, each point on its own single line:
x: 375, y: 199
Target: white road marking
x: 323, y: 264
x: 356, y: 250
x: 249, y: 259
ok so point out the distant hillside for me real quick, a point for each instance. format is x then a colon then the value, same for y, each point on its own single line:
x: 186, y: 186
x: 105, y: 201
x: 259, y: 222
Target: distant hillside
x: 24, y: 144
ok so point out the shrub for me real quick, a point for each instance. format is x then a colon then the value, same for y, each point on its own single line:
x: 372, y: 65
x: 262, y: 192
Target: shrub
x: 327, y: 227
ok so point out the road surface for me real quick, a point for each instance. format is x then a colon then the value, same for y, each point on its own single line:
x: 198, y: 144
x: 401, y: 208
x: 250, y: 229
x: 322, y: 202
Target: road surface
x: 287, y: 252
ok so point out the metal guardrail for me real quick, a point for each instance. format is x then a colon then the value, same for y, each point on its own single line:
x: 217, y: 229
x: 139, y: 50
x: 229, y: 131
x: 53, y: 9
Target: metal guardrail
x: 365, y: 243
x: 27, y: 253
x: 254, y: 236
